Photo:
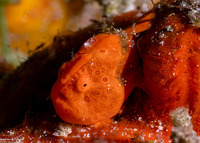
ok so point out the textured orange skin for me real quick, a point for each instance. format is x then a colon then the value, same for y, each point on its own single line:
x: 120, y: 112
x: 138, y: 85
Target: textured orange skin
x: 162, y: 65
x: 191, y: 44
x: 171, y: 65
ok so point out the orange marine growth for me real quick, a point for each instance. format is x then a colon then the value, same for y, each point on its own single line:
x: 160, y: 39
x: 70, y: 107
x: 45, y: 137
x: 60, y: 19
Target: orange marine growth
x: 87, y: 89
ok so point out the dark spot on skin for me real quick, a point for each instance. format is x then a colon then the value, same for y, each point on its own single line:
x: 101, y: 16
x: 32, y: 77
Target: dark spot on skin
x: 102, y: 70
x: 87, y: 99
x: 95, y: 80
x: 97, y: 72
x: 84, y: 85
x: 69, y: 86
x: 94, y: 93
x: 102, y: 51
x: 105, y: 79
x: 99, y: 64
x: 89, y: 71
x: 62, y: 96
